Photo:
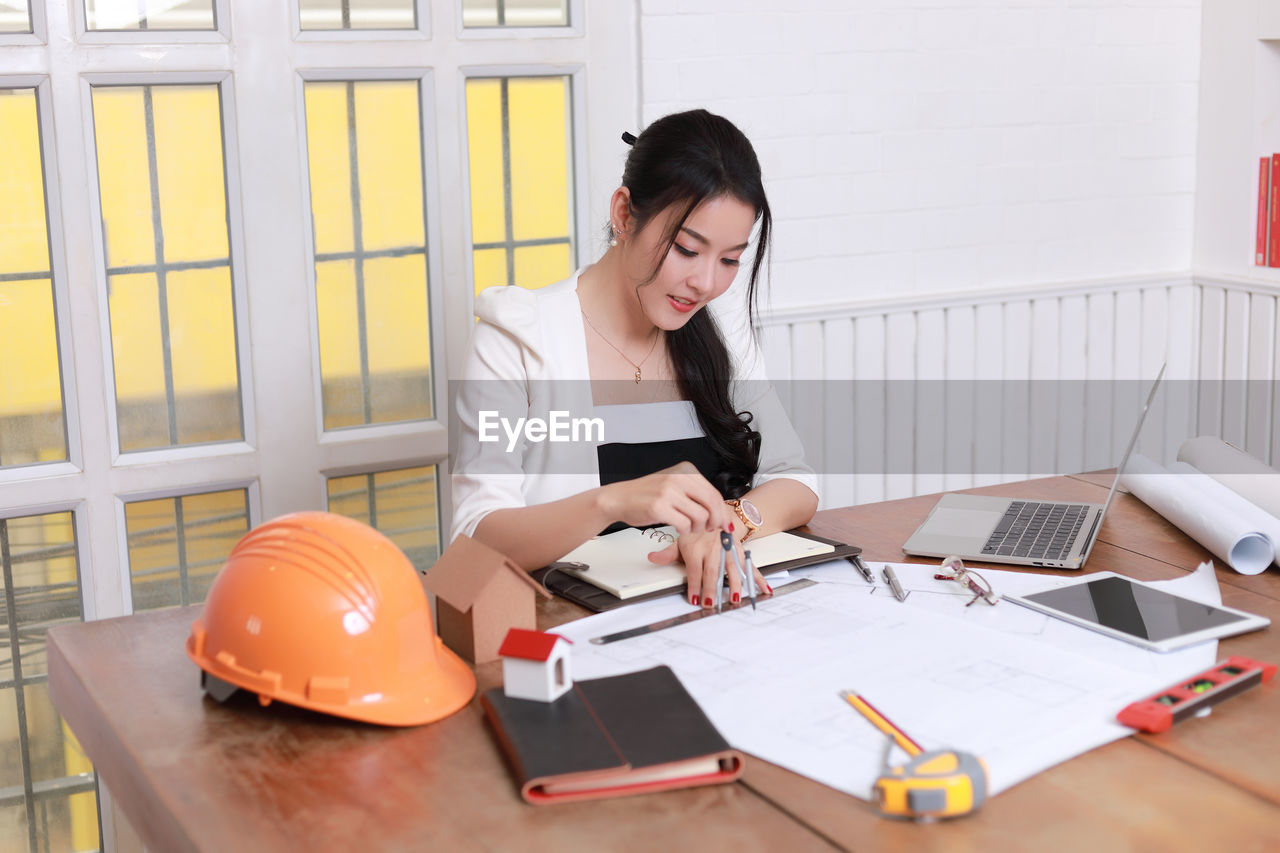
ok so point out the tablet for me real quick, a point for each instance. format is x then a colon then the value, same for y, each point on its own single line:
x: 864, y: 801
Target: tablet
x: 1145, y: 615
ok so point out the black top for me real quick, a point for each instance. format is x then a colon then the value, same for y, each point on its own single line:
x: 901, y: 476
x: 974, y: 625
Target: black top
x: 654, y: 436
x: 624, y: 461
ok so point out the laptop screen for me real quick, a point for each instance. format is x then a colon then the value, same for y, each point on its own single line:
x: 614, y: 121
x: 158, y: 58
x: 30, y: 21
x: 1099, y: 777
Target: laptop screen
x: 1124, y: 460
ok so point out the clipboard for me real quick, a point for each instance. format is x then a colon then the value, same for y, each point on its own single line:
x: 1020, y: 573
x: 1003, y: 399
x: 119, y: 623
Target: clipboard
x: 598, y: 600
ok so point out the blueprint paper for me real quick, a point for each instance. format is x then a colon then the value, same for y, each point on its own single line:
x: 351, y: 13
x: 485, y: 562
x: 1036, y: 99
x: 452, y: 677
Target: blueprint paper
x: 1020, y: 689
x: 1248, y: 476
x: 1234, y: 537
x: 1253, y: 516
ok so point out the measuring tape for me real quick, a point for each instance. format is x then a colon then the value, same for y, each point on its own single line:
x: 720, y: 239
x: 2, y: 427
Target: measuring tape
x: 942, y: 783
x: 1187, y: 698
x: 934, y: 784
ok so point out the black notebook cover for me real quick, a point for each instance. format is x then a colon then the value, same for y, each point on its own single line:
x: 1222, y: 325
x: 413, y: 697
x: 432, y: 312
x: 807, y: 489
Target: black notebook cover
x: 604, y: 730
x: 598, y: 600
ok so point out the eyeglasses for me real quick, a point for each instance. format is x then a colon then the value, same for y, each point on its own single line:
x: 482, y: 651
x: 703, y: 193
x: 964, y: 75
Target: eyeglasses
x: 953, y: 570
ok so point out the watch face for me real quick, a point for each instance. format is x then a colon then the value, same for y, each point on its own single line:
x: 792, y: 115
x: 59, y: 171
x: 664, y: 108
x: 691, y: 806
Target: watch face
x: 752, y: 514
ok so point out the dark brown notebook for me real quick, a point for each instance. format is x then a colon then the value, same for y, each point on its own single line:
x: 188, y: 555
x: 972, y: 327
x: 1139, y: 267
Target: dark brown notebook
x: 611, y: 737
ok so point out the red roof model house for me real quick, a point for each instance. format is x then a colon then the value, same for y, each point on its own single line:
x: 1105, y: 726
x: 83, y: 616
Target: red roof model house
x: 535, y: 665
x: 480, y: 594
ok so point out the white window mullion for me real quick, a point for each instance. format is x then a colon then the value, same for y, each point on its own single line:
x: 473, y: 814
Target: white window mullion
x: 404, y: 445
x: 272, y: 183
x: 87, y: 390
x: 453, y: 226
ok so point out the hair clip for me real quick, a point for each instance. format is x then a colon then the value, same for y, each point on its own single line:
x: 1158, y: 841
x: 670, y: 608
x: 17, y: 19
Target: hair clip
x: 628, y: 137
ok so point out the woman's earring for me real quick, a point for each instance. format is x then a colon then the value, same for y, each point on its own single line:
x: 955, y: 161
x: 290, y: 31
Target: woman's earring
x: 613, y: 241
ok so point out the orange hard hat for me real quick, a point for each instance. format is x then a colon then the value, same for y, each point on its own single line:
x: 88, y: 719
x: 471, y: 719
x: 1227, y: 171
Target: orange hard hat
x: 324, y: 612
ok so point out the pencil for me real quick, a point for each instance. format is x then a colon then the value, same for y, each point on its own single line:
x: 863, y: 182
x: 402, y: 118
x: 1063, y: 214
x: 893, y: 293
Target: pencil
x: 881, y: 722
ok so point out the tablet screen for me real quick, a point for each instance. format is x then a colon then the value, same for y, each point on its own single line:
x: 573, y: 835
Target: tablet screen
x: 1134, y: 609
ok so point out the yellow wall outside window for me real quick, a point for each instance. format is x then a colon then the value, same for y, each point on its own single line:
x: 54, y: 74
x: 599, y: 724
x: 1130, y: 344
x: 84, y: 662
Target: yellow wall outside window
x: 370, y: 246
x: 192, y: 199
x: 402, y: 504
x: 177, y: 545
x: 43, y: 589
x: 178, y: 217
x: 30, y: 377
x: 537, y: 182
x: 189, y: 164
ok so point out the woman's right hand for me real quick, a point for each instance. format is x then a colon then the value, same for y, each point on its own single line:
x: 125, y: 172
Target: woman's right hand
x: 679, y: 496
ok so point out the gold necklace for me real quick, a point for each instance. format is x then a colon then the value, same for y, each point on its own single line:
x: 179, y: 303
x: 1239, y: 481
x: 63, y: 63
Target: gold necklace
x: 652, y: 346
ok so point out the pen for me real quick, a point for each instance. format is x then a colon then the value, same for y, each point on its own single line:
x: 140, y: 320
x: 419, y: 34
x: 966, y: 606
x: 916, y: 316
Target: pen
x: 726, y: 545
x: 751, y: 577
x: 881, y: 722
x: 737, y: 561
x: 892, y: 580
x: 856, y: 559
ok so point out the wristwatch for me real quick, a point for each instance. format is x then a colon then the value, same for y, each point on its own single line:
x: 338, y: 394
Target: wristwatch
x: 748, y: 515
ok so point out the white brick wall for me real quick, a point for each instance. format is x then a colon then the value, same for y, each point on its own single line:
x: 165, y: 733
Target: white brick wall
x: 945, y: 145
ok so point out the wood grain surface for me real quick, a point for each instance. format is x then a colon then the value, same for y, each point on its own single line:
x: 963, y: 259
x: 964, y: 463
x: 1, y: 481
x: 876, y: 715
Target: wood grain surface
x: 194, y: 775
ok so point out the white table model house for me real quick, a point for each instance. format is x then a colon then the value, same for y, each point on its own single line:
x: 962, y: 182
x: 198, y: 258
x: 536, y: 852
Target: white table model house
x: 535, y: 665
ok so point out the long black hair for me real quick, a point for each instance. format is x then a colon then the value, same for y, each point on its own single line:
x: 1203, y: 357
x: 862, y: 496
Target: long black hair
x: 682, y: 160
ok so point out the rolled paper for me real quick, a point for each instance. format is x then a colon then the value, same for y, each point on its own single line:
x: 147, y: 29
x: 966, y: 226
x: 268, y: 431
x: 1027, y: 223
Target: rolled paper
x: 1246, y: 475
x: 1250, y: 513
x: 1227, y: 535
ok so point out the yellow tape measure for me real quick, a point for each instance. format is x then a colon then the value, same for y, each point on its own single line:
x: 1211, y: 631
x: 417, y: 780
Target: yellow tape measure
x: 936, y: 784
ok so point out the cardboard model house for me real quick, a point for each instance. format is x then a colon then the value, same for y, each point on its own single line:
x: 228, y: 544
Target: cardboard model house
x: 535, y: 665
x: 480, y: 594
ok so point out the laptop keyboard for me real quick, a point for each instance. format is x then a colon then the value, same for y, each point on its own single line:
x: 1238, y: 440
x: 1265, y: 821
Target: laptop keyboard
x: 1038, y: 531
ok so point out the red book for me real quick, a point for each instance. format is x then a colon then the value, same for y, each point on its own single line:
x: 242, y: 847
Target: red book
x: 1273, y: 231
x: 1264, y: 185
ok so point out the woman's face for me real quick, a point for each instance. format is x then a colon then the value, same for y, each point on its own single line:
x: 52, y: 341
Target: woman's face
x: 699, y: 266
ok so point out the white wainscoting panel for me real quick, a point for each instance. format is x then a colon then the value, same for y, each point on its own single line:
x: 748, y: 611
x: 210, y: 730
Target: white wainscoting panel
x: 1239, y: 363
x: 895, y: 398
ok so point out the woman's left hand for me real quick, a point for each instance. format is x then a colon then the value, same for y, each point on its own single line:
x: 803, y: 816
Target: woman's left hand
x: 701, y: 555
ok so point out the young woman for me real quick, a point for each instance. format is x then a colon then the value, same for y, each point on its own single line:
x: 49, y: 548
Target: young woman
x: 689, y: 432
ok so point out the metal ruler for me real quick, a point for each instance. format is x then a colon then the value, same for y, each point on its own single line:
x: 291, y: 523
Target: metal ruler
x: 702, y: 613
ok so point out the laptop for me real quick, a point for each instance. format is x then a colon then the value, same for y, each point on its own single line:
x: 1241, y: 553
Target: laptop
x: 1054, y: 534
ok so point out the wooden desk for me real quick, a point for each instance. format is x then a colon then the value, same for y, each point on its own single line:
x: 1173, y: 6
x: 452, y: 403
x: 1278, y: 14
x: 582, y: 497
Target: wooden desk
x: 191, y: 774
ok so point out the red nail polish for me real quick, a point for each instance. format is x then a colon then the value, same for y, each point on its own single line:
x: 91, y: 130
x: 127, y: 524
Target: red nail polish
x: 693, y: 599
x: 706, y: 602
x: 731, y: 527
x: 735, y: 598
x: 768, y: 589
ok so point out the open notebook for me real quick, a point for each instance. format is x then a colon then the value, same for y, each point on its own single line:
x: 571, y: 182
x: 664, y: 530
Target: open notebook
x: 619, y: 563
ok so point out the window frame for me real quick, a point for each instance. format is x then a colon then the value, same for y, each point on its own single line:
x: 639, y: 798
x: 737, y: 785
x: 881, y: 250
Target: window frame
x: 36, y: 36
x: 220, y: 34
x: 438, y: 474
x: 422, y: 31
x: 433, y: 429
x: 574, y: 29
x: 579, y: 200
x: 19, y: 686
x: 57, y: 283
x: 253, y: 505
x: 95, y: 472
x: 284, y: 459
x: 235, y: 259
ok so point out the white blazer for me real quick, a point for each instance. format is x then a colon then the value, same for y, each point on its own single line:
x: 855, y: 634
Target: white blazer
x: 528, y: 358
